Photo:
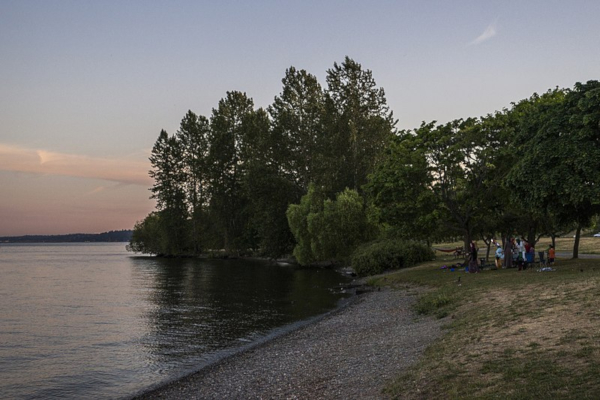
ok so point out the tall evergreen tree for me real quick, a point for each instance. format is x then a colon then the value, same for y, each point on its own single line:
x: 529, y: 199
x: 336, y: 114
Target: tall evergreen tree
x: 297, y: 118
x: 229, y: 145
x: 359, y: 124
x: 169, y: 192
x: 193, y: 137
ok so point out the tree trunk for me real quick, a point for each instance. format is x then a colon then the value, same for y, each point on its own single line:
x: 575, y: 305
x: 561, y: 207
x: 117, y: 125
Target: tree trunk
x: 467, y: 242
x: 531, y: 237
x: 576, y: 244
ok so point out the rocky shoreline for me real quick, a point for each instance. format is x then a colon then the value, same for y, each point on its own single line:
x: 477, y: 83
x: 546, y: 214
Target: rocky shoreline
x: 349, y: 354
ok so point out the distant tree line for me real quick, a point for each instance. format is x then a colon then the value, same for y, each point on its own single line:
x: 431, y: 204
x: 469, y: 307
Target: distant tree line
x: 323, y: 170
x: 110, y: 236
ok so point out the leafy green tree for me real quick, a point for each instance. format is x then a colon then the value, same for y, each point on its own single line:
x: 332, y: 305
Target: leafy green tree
x: 328, y: 229
x: 400, y: 188
x: 298, y: 216
x: 558, y: 155
x: 148, y: 236
x: 439, y: 178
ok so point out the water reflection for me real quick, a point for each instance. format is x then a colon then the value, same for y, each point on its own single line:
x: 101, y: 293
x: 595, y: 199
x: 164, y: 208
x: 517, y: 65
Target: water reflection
x: 193, y: 309
x: 90, y: 321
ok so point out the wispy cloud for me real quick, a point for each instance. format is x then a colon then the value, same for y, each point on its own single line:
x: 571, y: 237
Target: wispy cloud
x: 19, y: 159
x: 487, y: 34
x: 96, y: 190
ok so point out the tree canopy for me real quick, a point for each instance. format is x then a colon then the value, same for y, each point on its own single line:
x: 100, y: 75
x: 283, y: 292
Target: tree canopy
x: 322, y: 170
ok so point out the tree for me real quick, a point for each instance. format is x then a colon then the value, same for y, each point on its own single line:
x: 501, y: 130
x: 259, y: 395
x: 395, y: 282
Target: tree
x: 148, y: 236
x: 270, y: 188
x: 439, y: 179
x: 297, y: 128
x: 400, y: 189
x: 329, y: 230
x: 461, y: 162
x: 559, y: 155
x: 193, y: 137
x: 359, y: 125
x: 169, y: 192
x: 228, y: 148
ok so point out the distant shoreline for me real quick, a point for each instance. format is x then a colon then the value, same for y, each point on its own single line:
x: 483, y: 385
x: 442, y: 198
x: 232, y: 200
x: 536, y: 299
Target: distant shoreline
x: 110, y: 237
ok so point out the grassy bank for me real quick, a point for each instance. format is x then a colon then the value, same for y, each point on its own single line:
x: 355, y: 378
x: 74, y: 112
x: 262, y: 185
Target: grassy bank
x: 509, y: 334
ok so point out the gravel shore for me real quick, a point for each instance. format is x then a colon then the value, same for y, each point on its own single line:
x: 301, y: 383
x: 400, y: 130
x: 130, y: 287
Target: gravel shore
x: 350, y: 354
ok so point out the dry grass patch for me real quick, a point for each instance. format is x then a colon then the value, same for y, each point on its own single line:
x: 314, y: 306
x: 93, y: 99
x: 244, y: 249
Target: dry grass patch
x: 509, y: 334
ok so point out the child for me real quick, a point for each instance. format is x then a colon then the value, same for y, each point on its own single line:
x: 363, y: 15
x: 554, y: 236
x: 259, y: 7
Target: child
x: 551, y: 255
x: 499, y: 257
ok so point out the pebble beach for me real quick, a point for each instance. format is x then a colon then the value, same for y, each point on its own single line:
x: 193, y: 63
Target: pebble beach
x: 350, y: 354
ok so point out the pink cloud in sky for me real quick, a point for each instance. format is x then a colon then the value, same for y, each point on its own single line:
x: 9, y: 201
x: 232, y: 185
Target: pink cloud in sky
x: 44, y: 192
x: 19, y: 159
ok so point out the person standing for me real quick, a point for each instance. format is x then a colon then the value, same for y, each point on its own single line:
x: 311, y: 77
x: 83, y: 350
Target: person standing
x: 551, y: 255
x: 499, y: 257
x: 520, y: 248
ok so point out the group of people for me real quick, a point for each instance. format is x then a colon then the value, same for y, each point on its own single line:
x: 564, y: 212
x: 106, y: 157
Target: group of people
x: 522, y: 254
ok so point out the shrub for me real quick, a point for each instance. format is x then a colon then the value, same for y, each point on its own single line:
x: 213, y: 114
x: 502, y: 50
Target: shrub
x: 378, y: 256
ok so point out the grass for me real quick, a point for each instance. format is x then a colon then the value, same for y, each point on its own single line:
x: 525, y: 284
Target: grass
x: 508, y: 334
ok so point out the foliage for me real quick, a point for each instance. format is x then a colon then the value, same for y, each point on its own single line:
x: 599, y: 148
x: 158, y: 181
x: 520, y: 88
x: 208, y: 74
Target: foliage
x: 236, y: 181
x: 382, y: 255
x: 439, y: 180
x: 226, y: 182
x: 297, y: 116
x: 169, y: 192
x: 399, y: 188
x: 559, y: 155
x: 358, y: 124
x: 328, y: 229
x: 148, y: 236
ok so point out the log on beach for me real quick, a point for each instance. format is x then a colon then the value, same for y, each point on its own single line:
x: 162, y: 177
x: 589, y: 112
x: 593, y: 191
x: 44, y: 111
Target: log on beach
x: 350, y: 354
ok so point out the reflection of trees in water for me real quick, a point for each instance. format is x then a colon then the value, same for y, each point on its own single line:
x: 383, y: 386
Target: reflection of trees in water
x: 195, y: 307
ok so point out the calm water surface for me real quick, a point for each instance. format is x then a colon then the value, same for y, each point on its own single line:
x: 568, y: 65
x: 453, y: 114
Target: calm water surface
x: 93, y: 321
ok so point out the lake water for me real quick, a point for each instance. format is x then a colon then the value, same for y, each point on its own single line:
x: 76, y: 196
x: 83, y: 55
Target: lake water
x: 93, y: 321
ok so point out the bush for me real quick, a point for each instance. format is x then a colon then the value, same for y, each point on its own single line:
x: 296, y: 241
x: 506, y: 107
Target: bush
x: 379, y: 256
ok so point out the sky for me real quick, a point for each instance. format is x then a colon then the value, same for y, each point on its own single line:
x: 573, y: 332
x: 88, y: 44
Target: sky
x: 86, y: 86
